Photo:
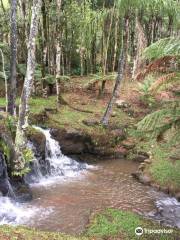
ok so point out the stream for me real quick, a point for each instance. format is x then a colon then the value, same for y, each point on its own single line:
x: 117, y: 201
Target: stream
x: 64, y: 199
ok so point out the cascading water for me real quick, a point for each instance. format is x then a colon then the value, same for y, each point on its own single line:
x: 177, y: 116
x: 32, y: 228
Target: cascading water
x: 58, y: 165
x: 14, y: 213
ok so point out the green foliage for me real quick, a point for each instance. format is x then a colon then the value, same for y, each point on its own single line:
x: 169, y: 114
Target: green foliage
x: 28, y: 155
x: 5, y: 149
x: 11, y: 124
x: 118, y: 224
x: 163, y: 47
x: 99, y: 78
x: 161, y: 120
x: 114, y: 222
x: 146, y: 84
x: 24, y: 233
x: 144, y: 89
x: 164, y: 171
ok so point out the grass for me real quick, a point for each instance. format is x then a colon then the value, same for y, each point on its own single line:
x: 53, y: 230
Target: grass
x: 117, y: 224
x: 23, y: 233
x: 163, y: 170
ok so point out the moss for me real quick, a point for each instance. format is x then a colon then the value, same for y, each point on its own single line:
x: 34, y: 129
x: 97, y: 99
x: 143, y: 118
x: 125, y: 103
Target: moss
x: 163, y: 170
x: 23, y: 233
x: 118, y: 224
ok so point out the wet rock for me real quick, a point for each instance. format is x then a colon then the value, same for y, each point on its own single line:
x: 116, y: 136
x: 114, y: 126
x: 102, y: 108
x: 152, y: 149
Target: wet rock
x: 136, y: 175
x: 73, y: 141
x: 142, y: 166
x: 38, y: 139
x: 22, y: 190
x: 145, y: 179
x: 90, y: 122
x: 4, y: 183
x: 148, y: 161
x: 178, y: 196
x: 142, y: 178
x: 141, y: 157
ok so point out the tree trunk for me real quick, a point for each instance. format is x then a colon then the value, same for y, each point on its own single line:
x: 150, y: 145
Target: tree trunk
x: 141, y: 45
x: 121, y: 74
x: 106, y: 46
x: 5, y: 77
x: 121, y: 71
x: 12, y: 79
x: 58, y: 55
x: 115, y: 44
x: 20, y: 142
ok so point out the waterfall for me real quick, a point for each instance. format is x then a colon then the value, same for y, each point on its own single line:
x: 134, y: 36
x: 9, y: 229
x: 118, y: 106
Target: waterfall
x: 55, y: 165
x: 58, y: 167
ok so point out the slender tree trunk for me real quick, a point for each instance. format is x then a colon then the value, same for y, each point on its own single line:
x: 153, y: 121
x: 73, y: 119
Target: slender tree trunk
x: 126, y: 43
x: 20, y: 140
x: 58, y: 56
x: 115, y: 44
x: 5, y: 76
x: 12, y: 79
x: 106, y: 46
x: 121, y: 71
x: 120, y: 76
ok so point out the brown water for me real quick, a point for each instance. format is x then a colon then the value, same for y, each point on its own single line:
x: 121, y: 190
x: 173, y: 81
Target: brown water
x: 68, y: 204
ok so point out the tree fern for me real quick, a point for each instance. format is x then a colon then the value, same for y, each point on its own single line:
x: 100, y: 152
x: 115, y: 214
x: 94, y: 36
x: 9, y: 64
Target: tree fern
x: 163, y: 47
x: 158, y: 121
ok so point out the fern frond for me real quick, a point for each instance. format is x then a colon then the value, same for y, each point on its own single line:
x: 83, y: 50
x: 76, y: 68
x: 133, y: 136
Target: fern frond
x: 162, y: 48
x: 158, y: 121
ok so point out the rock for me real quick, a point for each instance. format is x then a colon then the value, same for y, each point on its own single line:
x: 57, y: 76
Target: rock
x: 113, y: 114
x: 142, y: 166
x: 122, y: 104
x: 4, y: 183
x: 73, y: 141
x: 142, y: 178
x: 148, y: 161
x: 145, y: 179
x: 22, y: 190
x: 178, y: 196
x: 136, y: 175
x: 141, y: 157
x: 90, y: 122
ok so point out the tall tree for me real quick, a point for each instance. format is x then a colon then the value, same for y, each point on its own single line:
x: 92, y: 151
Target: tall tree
x: 12, y: 79
x: 24, y: 101
x: 120, y: 76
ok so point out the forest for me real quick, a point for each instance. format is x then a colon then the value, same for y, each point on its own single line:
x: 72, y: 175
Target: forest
x: 89, y: 119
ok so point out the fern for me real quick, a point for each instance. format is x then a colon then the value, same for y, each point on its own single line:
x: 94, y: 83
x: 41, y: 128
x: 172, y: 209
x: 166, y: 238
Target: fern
x: 162, y: 48
x: 99, y: 78
x: 161, y: 120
